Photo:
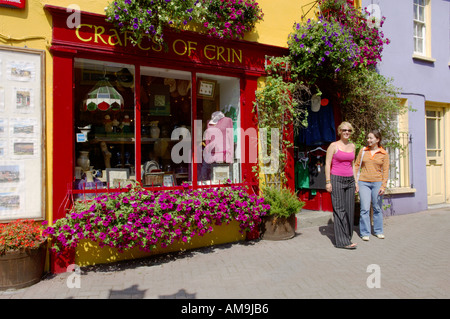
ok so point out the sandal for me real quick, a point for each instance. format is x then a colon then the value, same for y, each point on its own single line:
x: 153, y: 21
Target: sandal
x: 351, y: 246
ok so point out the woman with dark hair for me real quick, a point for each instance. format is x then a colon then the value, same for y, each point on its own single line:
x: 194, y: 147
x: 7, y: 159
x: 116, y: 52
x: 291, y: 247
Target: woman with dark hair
x: 372, y: 164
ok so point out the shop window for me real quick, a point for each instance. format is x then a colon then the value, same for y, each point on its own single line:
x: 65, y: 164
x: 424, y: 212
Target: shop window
x: 108, y: 150
x: 104, y: 124
x: 218, y: 113
x: 165, y: 109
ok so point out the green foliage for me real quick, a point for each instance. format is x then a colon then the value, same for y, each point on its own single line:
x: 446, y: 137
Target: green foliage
x: 338, y: 53
x: 321, y: 49
x: 283, y: 202
x: 369, y: 101
x: 277, y: 109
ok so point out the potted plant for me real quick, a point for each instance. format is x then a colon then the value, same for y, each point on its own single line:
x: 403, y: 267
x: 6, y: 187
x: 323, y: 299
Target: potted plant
x: 280, y: 221
x: 22, y: 254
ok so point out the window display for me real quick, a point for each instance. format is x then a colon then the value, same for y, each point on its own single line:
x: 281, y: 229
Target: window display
x: 218, y: 110
x: 108, y: 149
x: 104, y: 113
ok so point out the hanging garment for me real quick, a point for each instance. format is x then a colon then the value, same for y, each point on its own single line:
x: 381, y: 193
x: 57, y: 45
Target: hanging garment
x: 301, y: 174
x: 321, y: 128
x: 317, y: 172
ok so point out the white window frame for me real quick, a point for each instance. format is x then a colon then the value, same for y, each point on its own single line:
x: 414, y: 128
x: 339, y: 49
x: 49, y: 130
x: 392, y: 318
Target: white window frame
x: 422, y: 22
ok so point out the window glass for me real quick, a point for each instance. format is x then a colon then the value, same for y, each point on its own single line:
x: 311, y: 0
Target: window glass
x: 105, y: 128
x: 104, y: 124
x: 218, y: 118
x: 419, y: 26
x: 165, y: 110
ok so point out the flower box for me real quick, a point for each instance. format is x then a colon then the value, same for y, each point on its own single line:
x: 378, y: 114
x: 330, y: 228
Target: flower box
x: 90, y: 253
x: 138, y: 223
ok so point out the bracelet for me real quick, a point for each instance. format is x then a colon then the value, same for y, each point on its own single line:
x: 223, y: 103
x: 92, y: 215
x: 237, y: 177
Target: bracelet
x: 328, y: 182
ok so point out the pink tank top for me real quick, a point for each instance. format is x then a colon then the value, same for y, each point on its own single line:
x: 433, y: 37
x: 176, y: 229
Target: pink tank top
x: 341, y: 164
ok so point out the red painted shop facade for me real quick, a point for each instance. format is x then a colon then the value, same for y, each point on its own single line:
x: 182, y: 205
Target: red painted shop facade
x: 116, y: 107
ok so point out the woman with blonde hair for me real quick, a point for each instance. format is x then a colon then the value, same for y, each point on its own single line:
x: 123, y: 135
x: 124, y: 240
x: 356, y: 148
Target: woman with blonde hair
x: 340, y: 182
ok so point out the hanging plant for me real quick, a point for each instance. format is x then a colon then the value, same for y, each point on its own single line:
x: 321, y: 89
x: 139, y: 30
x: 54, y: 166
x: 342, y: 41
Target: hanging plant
x: 277, y: 109
x: 230, y: 18
x: 321, y: 49
x: 149, y: 17
x: 365, y: 30
x: 219, y: 18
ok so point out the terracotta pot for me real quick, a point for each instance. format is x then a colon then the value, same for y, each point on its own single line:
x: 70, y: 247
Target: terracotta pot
x: 19, y: 269
x: 278, y: 228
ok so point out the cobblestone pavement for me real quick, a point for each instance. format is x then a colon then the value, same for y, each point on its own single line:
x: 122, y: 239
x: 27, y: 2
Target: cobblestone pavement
x: 412, y: 262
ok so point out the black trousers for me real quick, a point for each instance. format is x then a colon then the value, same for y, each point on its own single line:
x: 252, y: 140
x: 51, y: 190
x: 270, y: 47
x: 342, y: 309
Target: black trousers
x: 343, y: 200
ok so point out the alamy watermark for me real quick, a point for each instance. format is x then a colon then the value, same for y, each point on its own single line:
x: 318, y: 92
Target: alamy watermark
x: 374, y: 279
x: 74, y: 279
x: 221, y: 148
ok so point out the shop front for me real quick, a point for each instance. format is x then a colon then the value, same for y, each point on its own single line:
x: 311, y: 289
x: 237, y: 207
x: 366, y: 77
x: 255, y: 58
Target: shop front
x: 162, y: 115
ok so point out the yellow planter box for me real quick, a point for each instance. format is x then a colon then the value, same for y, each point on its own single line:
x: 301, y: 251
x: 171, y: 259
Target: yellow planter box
x: 89, y: 253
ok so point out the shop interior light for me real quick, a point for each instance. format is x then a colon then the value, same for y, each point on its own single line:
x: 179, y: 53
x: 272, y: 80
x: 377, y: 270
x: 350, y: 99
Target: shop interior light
x: 103, y: 97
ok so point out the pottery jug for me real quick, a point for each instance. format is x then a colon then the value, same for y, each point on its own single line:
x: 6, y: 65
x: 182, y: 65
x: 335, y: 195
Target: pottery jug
x: 154, y: 129
x: 83, y: 160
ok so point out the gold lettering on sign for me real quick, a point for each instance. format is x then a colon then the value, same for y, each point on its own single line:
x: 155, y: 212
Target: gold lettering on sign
x: 115, y: 34
x: 239, y: 57
x: 77, y: 32
x: 174, y: 47
x: 209, y: 47
x: 112, y: 37
x: 99, y: 34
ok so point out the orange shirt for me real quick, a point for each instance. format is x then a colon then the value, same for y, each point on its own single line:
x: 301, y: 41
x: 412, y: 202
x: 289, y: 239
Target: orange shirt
x: 374, y: 168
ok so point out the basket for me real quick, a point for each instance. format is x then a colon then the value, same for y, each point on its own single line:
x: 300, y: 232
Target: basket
x: 154, y: 179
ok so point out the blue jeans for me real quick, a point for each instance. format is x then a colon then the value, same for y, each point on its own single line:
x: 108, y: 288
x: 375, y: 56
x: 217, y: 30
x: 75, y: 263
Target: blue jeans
x: 368, y: 193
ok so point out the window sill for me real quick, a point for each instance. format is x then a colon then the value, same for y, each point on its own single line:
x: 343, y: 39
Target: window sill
x: 423, y: 58
x: 400, y: 190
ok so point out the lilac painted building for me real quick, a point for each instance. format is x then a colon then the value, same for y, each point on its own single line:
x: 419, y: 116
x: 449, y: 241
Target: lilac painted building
x: 418, y: 59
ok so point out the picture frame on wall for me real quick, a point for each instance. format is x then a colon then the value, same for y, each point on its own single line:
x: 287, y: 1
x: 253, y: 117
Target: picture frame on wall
x: 206, y: 89
x: 221, y: 173
x: 169, y: 180
x: 116, y: 177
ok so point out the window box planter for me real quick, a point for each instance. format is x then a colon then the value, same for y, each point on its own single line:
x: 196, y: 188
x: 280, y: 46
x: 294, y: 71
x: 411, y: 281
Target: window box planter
x: 90, y: 253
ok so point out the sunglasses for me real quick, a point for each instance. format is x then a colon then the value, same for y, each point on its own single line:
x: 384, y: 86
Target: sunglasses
x: 346, y: 130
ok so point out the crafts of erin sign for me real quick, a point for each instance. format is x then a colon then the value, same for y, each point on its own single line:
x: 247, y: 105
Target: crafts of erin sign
x: 101, y: 35
x: 93, y: 34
